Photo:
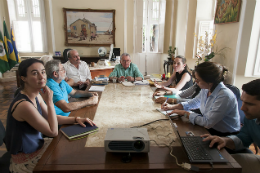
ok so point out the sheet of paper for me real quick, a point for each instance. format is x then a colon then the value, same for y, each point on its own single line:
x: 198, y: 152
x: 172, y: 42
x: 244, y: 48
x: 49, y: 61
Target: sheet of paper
x: 156, y: 79
x: 125, y: 83
x: 143, y: 82
x: 97, y: 88
x: 165, y: 112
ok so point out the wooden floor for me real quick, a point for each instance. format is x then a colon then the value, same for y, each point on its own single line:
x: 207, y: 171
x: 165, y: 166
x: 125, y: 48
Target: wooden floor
x: 6, y: 96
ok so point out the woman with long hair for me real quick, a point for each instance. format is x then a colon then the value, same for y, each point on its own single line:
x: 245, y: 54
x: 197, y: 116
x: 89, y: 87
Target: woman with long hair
x: 217, y: 104
x: 30, y: 115
x: 181, y: 78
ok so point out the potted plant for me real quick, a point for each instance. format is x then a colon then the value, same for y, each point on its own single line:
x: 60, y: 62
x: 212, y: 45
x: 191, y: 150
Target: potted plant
x: 171, y: 53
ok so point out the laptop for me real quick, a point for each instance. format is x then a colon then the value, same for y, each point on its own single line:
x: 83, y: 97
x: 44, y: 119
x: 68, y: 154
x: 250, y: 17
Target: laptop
x: 197, y: 150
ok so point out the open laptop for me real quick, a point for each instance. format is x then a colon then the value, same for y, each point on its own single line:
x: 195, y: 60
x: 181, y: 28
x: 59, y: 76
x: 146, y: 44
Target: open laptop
x: 197, y: 150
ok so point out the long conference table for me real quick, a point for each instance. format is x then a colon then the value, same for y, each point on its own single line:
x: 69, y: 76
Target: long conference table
x: 63, y: 155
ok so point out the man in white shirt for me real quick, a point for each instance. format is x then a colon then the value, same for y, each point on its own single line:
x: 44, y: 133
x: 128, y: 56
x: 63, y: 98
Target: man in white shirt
x: 77, y: 70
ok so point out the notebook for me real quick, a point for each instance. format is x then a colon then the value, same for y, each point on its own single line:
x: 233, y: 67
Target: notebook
x: 197, y: 150
x: 126, y: 83
x: 77, y: 131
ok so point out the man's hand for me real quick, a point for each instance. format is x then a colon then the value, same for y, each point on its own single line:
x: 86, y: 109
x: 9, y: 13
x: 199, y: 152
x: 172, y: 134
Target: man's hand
x: 215, y: 139
x: 93, y: 100
x: 130, y: 79
x: 87, y: 82
x: 79, y: 83
x: 121, y: 79
x: 94, y: 93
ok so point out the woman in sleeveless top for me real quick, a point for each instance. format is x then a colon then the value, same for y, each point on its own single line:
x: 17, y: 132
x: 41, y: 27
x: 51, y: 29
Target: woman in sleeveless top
x: 181, y: 77
x: 30, y: 115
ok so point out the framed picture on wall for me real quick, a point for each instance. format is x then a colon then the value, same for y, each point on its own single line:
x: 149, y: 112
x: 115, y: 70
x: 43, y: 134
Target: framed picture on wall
x: 88, y: 27
x: 227, y: 11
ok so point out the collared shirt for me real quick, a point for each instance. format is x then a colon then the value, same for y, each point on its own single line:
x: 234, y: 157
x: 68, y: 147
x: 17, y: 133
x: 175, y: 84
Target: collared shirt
x: 77, y: 74
x: 60, y: 92
x: 132, y: 71
x: 219, y: 110
x: 248, y: 134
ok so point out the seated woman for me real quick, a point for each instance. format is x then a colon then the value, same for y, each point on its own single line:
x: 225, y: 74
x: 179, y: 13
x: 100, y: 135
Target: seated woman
x: 30, y: 115
x: 218, y: 104
x: 181, y: 77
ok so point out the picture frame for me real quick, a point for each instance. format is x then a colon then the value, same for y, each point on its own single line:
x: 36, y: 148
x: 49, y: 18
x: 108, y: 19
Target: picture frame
x: 89, y: 27
x: 227, y: 11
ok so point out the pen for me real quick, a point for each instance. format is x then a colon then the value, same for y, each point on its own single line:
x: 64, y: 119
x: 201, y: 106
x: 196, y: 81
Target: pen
x: 166, y: 102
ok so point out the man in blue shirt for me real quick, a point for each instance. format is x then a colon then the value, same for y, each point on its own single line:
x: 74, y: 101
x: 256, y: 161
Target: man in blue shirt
x: 56, y: 75
x: 126, y: 70
x: 250, y: 132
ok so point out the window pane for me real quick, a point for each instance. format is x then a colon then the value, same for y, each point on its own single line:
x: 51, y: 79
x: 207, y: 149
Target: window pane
x: 155, y: 10
x: 144, y: 38
x: 21, y: 8
x: 22, y: 36
x: 154, y: 37
x: 35, y: 8
x: 37, y: 36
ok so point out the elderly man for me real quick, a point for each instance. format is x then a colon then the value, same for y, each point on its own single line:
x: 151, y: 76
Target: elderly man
x: 56, y: 75
x: 249, y: 133
x: 126, y: 70
x: 77, y: 70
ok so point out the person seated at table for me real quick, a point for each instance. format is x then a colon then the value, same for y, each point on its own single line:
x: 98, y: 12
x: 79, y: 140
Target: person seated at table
x: 248, y: 134
x: 77, y: 70
x: 126, y: 70
x: 46, y: 58
x: 30, y: 115
x: 56, y: 75
x: 217, y: 104
x: 181, y: 77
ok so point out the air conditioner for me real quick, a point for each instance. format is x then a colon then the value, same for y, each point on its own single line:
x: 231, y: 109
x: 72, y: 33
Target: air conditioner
x: 127, y: 140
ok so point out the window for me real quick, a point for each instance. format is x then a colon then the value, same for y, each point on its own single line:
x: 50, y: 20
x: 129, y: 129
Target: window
x: 27, y: 19
x: 153, y: 25
x: 253, y: 57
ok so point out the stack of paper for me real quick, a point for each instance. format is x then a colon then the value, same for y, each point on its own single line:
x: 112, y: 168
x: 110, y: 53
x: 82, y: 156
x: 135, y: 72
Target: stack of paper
x: 142, y: 82
x: 155, y: 79
x: 97, y: 88
x: 125, y: 83
x: 77, y: 131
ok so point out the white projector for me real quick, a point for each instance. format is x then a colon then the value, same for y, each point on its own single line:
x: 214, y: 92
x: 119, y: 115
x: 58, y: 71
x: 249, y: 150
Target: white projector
x: 127, y: 140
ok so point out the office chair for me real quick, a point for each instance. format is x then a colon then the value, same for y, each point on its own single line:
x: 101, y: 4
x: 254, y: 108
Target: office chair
x: 65, y: 54
x: 5, y: 159
x: 236, y: 92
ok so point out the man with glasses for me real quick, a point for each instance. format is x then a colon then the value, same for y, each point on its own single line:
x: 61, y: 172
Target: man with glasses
x: 56, y: 75
x: 126, y: 70
x: 77, y: 70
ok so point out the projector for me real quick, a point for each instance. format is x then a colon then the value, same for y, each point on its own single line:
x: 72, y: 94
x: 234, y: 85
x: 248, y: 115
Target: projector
x: 127, y: 140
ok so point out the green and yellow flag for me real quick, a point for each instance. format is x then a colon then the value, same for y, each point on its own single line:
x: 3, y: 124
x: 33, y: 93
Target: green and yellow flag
x: 9, y: 48
x: 4, y: 65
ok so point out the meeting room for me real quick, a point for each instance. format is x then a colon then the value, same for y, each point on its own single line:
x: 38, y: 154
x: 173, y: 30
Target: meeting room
x: 129, y: 86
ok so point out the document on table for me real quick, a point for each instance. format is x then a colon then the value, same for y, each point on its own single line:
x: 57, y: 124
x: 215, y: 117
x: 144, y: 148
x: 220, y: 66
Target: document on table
x: 165, y: 112
x: 125, y: 83
x: 142, y: 82
x: 97, y: 88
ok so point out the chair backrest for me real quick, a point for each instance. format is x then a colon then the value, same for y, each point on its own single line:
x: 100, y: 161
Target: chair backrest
x: 65, y: 54
x: 236, y: 92
x: 2, y: 133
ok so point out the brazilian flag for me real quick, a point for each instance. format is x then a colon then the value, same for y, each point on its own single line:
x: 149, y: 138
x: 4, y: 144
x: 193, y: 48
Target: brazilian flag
x: 9, y: 48
x: 4, y: 65
x: 14, y: 46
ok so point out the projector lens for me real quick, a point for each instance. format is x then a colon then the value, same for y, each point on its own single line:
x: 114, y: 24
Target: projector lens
x: 138, y: 145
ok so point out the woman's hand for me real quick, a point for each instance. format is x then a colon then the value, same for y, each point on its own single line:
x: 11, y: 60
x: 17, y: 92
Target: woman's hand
x: 161, y: 100
x: 158, y: 93
x: 46, y: 94
x: 157, y: 85
x: 167, y: 106
x: 81, y: 121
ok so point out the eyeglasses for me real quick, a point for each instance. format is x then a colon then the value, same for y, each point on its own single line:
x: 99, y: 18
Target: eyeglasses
x: 63, y: 69
x: 125, y: 61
